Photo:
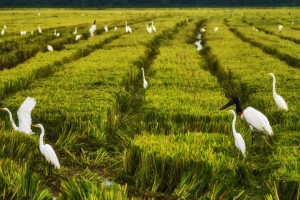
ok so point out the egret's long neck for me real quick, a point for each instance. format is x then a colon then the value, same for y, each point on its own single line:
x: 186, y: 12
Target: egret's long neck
x: 12, y: 121
x: 143, y: 74
x: 233, y: 124
x: 274, y: 81
x: 42, y: 137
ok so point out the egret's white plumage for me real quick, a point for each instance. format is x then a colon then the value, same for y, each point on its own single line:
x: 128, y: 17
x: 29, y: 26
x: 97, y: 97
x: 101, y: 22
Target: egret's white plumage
x: 115, y: 29
x: 93, y: 28
x: 199, y: 36
x: 127, y: 28
x: 198, y: 45
x: 56, y: 34
x: 257, y: 121
x: 202, y: 30
x: 4, y: 27
x: 280, y: 27
x: 106, y: 28
x: 24, y: 116
x: 2, y: 32
x: 39, y: 29
x: 278, y: 99
x: 50, y: 48
x: 77, y: 37
x: 23, y: 33
x: 153, y: 27
x: 149, y: 28
x: 46, y: 149
x: 238, y: 139
x: 145, y: 84
x: 75, y: 31
x: 216, y: 29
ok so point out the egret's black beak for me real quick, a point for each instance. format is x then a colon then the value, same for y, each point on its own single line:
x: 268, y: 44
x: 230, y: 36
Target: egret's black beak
x: 231, y: 102
x: 234, y: 100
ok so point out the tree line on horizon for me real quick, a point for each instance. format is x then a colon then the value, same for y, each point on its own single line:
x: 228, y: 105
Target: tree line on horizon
x: 144, y: 3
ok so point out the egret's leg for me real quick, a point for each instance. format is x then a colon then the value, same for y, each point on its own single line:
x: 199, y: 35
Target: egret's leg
x: 49, y: 168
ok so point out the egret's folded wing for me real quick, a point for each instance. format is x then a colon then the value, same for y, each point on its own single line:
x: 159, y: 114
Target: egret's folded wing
x: 51, y: 156
x: 24, y: 114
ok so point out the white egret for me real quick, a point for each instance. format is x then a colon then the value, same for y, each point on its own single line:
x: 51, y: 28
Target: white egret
x: 2, y: 32
x: 31, y: 32
x: 47, y: 150
x: 39, y: 29
x: 50, y: 48
x: 202, y: 30
x: 238, y: 139
x: 127, y: 28
x: 149, y: 28
x: 75, y: 31
x: 199, y: 36
x: 23, y: 33
x: 115, y: 29
x: 105, y: 28
x: 280, y: 27
x: 78, y: 37
x: 216, y: 29
x: 93, y: 28
x: 24, y: 116
x: 153, y: 27
x: 278, y: 99
x: 56, y: 34
x: 198, y: 45
x: 145, y: 84
x: 4, y: 27
x: 255, y: 119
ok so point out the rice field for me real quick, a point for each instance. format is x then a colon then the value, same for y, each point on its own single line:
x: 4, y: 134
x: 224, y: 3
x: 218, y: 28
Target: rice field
x: 115, y: 139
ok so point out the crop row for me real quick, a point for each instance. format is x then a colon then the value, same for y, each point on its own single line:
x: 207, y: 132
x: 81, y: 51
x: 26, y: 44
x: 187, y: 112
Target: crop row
x: 285, y: 50
x: 287, y: 34
x: 182, y: 96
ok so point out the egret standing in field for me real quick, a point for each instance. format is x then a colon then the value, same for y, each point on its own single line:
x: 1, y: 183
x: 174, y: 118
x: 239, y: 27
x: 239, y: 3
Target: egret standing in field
x: 50, y: 48
x: 93, y: 28
x: 105, y: 28
x: 255, y: 119
x: 238, y: 139
x: 39, y: 29
x: 24, y: 116
x: 145, y: 84
x: 149, y: 28
x: 153, y: 27
x: 77, y: 37
x: 198, y: 45
x: 278, y: 99
x: 2, y: 32
x: 56, y: 34
x: 216, y: 29
x: 127, y: 28
x: 115, y: 29
x: 75, y: 31
x: 280, y: 27
x: 47, y: 150
x: 4, y: 27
